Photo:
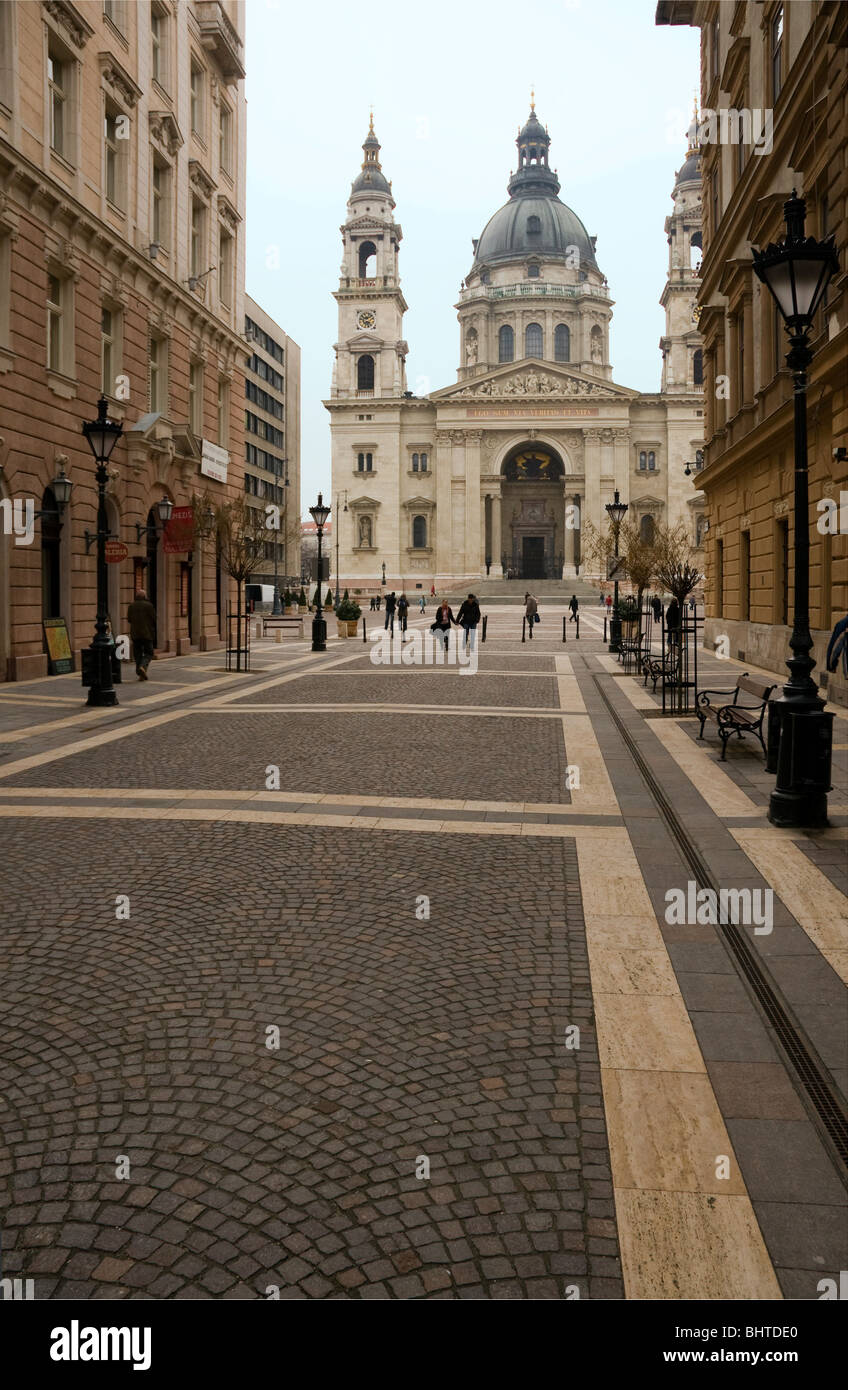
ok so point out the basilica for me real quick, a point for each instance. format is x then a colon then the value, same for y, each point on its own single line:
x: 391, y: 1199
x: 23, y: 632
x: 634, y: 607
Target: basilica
x: 497, y: 473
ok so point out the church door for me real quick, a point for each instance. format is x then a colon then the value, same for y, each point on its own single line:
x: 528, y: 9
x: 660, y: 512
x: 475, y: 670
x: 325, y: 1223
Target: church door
x: 533, y: 557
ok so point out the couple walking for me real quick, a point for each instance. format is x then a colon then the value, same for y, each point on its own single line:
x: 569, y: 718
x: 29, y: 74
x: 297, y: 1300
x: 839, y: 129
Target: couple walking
x: 399, y: 606
x: 467, y: 618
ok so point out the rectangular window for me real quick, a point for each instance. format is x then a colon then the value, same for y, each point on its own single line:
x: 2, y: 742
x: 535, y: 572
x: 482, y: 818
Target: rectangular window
x: 196, y: 104
x: 225, y: 269
x: 198, y: 238
x: 195, y: 398
x: 714, y: 47
x: 223, y: 413
x: 225, y: 150
x: 55, y: 310
x: 745, y: 575
x: 115, y: 145
x: 59, y: 86
x: 161, y: 190
x: 115, y: 12
x: 158, y: 367
x: 108, y: 362
x: 159, y: 53
x: 776, y: 54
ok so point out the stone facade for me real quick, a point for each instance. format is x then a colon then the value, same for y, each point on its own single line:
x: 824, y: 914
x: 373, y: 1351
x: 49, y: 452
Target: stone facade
x: 502, y: 469
x: 789, y: 62
x: 272, y: 435
x: 121, y: 271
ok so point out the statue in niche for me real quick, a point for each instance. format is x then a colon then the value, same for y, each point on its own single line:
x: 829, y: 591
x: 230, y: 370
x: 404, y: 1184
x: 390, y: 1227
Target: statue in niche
x: 597, y: 349
x: 471, y: 349
x: 365, y: 532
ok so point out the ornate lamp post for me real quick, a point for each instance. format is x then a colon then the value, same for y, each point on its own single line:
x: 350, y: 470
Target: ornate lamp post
x: 319, y: 514
x: 616, y: 511
x: 337, y: 528
x: 796, y: 272
x: 102, y: 435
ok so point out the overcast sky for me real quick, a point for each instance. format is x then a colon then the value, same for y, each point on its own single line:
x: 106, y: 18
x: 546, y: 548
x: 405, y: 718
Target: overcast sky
x: 450, y: 83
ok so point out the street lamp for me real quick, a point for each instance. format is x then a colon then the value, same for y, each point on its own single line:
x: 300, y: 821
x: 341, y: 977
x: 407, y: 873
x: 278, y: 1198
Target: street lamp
x: 796, y: 271
x: 337, y: 528
x: 383, y: 580
x: 319, y: 515
x: 102, y: 435
x: 616, y: 511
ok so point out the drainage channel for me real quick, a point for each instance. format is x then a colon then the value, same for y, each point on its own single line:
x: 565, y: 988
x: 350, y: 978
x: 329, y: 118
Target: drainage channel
x: 821, y: 1098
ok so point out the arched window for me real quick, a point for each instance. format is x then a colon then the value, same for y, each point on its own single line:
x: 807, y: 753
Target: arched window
x: 415, y: 463
x: 423, y: 463
x: 652, y: 461
x: 562, y: 343
x: 695, y: 251
x: 533, y: 271
x: 646, y: 530
x: 699, y: 530
x: 365, y: 373
x: 534, y: 226
x: 643, y: 461
x: 506, y: 344
x: 698, y: 367
x: 419, y: 533
x: 364, y: 462
x: 367, y: 260
x: 534, y: 340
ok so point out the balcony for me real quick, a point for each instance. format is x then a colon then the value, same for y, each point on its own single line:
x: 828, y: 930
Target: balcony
x: 534, y: 288
x: 220, y: 38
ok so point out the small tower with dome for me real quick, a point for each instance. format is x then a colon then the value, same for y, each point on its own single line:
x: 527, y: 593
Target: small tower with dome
x: 681, y: 344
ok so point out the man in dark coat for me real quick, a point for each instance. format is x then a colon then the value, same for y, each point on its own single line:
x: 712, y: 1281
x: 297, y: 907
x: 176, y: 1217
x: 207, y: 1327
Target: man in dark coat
x: 574, y: 605
x: 141, y: 616
x: 468, y: 617
x: 390, y: 611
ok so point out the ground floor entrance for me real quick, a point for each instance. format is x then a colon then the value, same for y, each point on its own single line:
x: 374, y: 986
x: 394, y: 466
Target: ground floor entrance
x: 533, y: 557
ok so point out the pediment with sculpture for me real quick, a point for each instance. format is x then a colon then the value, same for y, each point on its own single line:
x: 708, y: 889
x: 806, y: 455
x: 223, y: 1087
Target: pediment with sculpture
x: 534, y: 382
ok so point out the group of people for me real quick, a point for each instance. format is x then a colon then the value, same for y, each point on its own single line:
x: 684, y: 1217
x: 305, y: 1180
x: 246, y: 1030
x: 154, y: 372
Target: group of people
x: 467, y: 618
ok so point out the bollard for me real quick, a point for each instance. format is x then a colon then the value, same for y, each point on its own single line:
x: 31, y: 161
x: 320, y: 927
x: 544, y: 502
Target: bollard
x: 564, y: 637
x: 523, y: 628
x: 278, y: 635
x: 363, y: 629
x: 485, y: 620
x: 605, y: 627
x: 577, y: 620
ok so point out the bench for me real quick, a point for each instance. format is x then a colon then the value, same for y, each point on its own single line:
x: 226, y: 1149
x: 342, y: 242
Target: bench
x: 275, y: 621
x: 666, y: 666
x: 731, y: 717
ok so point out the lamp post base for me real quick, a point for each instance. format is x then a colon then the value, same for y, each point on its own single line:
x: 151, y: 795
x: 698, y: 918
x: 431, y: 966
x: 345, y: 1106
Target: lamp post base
x: 101, y: 698
x: 797, y: 808
x: 319, y: 635
x: 804, y: 760
x: 615, y: 635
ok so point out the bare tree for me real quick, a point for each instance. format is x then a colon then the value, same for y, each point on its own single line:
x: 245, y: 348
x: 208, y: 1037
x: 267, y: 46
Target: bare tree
x: 239, y: 534
x: 638, y: 554
x: 675, y: 566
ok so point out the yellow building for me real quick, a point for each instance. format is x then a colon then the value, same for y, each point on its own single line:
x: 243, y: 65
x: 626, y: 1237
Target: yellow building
x: 122, y: 131
x: 774, y: 97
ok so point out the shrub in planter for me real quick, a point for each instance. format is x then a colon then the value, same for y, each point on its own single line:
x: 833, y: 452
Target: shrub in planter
x: 328, y: 601
x: 301, y: 600
x: 628, y: 609
x: 348, y: 614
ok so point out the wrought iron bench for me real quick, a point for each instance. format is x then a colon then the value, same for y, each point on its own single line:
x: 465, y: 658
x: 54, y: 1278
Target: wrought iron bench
x: 732, y: 718
x: 665, y: 666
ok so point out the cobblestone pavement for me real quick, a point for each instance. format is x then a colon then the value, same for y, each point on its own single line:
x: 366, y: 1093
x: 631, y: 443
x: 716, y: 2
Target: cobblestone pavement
x: 332, y: 1051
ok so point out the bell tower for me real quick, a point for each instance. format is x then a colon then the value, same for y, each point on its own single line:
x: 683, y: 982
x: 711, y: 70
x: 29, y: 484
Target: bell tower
x: 370, y: 355
x: 681, y: 345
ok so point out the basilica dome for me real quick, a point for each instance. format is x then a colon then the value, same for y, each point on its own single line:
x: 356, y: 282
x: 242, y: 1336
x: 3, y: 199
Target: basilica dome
x: 534, y: 222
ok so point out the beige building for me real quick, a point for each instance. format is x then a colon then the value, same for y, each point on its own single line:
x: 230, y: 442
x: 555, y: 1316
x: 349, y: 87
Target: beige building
x: 122, y: 129
x: 499, y: 471
x: 783, y: 70
x: 272, y: 438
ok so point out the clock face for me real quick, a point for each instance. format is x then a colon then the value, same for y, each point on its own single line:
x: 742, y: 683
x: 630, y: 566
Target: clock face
x: 366, y: 319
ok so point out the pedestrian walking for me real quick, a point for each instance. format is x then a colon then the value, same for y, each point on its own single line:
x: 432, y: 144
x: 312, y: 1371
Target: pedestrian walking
x: 423, y: 604
x: 373, y: 603
x: 402, y: 611
x: 468, y: 617
x: 391, y: 604
x: 574, y: 605
x: 444, y: 618
x: 141, y: 616
x: 531, y: 609
x: 838, y: 646
x: 609, y: 602
x: 656, y: 608
x: 377, y: 602
x: 672, y: 623
x: 601, y: 597
x: 432, y: 591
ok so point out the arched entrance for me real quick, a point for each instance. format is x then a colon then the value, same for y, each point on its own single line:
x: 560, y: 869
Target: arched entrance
x: 533, y: 512
x: 153, y: 567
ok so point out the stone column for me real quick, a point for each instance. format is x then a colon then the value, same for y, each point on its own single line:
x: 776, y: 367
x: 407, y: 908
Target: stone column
x: 592, y: 498
x: 475, y: 534
x: 732, y: 365
x: 484, y: 550
x: 442, y: 518
x: 746, y: 327
x: 497, y: 538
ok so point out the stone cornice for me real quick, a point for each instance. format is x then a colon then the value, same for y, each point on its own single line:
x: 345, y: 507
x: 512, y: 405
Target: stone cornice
x: 118, y: 80
x: 165, y: 131
x: 67, y: 17
x: 200, y: 179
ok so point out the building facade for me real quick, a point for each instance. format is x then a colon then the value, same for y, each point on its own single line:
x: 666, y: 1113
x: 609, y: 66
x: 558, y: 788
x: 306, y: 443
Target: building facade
x: 780, y: 70
x: 499, y: 471
x: 122, y: 130
x: 272, y: 438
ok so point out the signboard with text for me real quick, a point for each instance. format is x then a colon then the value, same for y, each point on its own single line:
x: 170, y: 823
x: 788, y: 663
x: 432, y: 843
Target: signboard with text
x: 60, y: 658
x: 616, y: 568
x: 114, y: 552
x: 214, y: 461
x: 179, y: 531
